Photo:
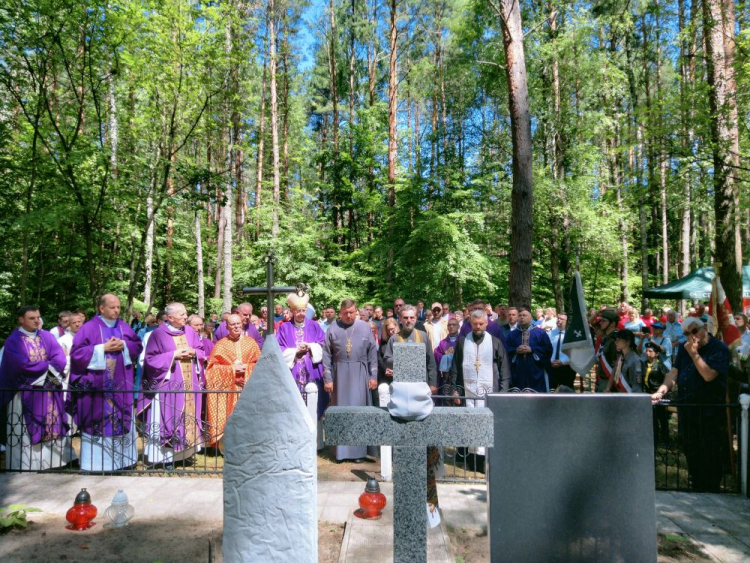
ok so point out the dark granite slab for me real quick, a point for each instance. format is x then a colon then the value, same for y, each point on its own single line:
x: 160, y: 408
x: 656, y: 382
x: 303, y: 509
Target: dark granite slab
x: 572, y: 479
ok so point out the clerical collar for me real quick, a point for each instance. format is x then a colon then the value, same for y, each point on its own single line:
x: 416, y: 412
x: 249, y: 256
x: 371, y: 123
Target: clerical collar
x: 171, y: 328
x: 109, y: 323
x: 452, y: 338
x: 522, y: 329
x: 27, y: 333
x: 300, y: 325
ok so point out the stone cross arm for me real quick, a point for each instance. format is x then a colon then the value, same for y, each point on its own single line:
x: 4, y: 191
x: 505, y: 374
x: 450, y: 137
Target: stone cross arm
x: 446, y: 426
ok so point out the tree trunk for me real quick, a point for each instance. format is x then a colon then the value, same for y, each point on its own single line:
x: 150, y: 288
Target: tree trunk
x: 149, y: 251
x: 718, y: 22
x: 274, y: 117
x: 227, y: 297
x: 285, y: 119
x: 259, y: 159
x: 392, y: 132
x: 199, y: 265
x: 220, y: 252
x: 522, y: 227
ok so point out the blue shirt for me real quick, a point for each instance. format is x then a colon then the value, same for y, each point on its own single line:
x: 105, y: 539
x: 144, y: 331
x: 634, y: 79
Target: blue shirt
x: 556, y: 336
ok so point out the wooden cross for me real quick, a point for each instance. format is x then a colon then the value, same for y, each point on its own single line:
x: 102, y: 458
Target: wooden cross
x: 446, y: 426
x: 269, y: 291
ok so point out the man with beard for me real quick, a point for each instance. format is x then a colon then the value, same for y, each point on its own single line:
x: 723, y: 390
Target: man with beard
x: 492, y: 327
x: 480, y: 366
x: 480, y: 363
x: 409, y: 333
x: 350, y: 367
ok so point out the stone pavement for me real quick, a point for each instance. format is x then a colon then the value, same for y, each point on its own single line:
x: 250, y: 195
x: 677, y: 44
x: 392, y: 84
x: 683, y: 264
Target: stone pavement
x: 720, y: 524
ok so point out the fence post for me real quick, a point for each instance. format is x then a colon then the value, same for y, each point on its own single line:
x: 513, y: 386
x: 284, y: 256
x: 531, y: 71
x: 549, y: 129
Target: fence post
x: 745, y: 402
x: 311, y: 390
x: 386, y: 452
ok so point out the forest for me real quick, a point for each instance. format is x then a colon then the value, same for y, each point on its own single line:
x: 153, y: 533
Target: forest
x: 428, y: 149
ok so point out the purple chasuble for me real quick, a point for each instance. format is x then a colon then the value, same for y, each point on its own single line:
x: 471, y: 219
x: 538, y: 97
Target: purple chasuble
x: 208, y: 347
x: 108, y: 412
x: 221, y: 331
x: 446, y: 346
x: 529, y: 371
x: 180, y: 412
x: 291, y: 336
x: 25, y: 360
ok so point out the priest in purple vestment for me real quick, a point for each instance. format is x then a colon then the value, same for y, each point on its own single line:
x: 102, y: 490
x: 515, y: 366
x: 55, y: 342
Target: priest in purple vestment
x: 174, y: 356
x: 444, y: 353
x: 245, y: 310
x: 301, y: 341
x: 529, y: 351
x: 102, y: 369
x: 33, y: 364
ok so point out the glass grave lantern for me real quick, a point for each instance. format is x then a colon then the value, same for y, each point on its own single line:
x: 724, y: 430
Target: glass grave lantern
x: 81, y: 514
x: 371, y: 502
x: 119, y: 513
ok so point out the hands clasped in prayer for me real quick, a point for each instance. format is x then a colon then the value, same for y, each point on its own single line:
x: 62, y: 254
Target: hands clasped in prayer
x: 184, y: 353
x: 114, y: 345
x: 523, y: 349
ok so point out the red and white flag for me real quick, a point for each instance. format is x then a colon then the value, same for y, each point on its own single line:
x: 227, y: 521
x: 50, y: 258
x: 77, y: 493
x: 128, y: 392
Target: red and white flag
x: 720, y: 318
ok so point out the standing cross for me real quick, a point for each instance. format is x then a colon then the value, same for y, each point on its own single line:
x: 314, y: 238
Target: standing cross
x: 446, y: 426
x: 269, y: 291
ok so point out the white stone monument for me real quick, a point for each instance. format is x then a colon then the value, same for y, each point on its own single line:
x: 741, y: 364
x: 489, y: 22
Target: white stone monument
x: 270, y: 470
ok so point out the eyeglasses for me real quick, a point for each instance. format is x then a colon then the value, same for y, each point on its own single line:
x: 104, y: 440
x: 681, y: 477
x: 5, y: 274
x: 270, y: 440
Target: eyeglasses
x: 694, y: 331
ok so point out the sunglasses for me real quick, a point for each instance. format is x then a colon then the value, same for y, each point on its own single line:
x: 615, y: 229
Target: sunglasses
x: 695, y: 331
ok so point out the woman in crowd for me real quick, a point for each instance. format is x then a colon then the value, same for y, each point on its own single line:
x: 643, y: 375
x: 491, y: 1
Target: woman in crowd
x: 550, y: 320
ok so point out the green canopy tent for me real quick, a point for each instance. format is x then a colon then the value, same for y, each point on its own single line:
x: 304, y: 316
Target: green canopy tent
x: 696, y: 285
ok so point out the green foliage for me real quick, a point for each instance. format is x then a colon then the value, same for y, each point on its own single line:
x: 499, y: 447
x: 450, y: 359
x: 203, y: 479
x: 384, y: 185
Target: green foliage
x: 14, y: 516
x: 179, y: 86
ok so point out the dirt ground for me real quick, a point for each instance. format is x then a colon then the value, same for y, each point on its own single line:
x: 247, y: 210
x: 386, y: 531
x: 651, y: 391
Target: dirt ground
x: 189, y: 539
x: 473, y: 546
x: 46, y: 540
x: 329, y: 470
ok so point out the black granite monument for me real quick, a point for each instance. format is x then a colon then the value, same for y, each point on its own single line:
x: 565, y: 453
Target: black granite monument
x: 572, y: 479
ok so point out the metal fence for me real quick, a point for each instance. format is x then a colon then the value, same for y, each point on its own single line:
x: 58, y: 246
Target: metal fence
x: 697, y: 446
x: 179, y: 432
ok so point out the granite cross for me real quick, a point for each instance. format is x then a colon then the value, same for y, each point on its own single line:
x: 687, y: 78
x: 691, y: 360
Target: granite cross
x: 269, y: 291
x: 446, y: 426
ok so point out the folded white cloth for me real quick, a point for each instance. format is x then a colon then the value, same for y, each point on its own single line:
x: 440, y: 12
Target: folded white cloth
x: 410, y: 400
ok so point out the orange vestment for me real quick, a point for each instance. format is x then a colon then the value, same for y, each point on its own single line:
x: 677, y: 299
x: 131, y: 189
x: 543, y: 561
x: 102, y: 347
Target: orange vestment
x: 220, y: 377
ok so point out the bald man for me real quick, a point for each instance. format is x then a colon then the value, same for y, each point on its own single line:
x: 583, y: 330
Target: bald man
x: 103, y: 359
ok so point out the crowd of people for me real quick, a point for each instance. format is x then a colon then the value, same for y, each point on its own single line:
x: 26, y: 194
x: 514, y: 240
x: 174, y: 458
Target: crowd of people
x: 106, y: 379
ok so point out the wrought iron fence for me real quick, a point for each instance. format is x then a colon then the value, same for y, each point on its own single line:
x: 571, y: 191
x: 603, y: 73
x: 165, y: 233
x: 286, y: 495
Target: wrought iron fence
x: 175, y: 431
x: 696, y: 446
x: 171, y: 430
